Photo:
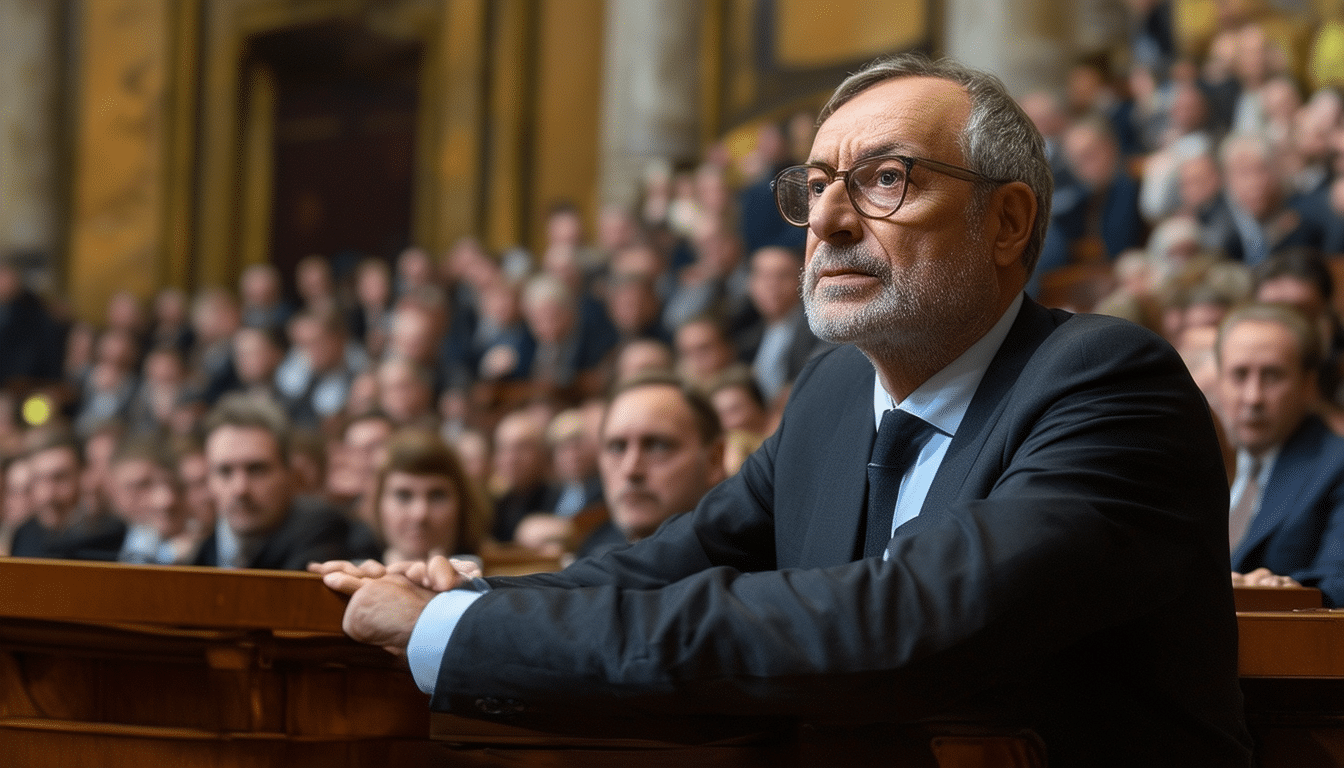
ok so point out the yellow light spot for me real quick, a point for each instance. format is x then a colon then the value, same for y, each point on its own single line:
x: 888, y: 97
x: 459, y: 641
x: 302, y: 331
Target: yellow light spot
x: 36, y: 410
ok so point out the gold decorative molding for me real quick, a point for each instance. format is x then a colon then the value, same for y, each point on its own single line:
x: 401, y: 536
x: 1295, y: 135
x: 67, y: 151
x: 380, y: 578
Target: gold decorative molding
x: 118, y: 197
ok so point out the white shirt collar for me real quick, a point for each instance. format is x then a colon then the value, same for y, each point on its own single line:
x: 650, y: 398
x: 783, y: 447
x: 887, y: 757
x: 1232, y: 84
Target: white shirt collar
x: 1267, y: 459
x: 943, y: 399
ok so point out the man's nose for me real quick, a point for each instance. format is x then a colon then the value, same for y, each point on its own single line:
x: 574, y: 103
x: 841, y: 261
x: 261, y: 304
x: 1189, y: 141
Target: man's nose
x: 236, y: 485
x: 1253, y: 392
x: 832, y: 217
x: 632, y: 462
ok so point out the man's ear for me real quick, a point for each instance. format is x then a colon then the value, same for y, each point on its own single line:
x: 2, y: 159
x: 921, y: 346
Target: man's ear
x: 1011, y: 214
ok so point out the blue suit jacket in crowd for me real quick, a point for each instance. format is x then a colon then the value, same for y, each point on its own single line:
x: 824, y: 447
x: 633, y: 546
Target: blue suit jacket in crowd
x: 1299, y: 529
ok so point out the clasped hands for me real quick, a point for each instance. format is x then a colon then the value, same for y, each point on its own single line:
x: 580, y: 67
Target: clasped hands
x: 1262, y: 577
x: 386, y: 601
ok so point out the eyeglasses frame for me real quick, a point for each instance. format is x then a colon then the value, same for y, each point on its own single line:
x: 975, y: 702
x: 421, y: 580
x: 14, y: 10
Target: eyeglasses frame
x: 909, y: 161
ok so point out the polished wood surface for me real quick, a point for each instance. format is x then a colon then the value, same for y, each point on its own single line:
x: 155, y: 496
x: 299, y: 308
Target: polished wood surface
x: 110, y: 665
x: 1275, y: 598
x: 182, y: 596
x: 130, y: 666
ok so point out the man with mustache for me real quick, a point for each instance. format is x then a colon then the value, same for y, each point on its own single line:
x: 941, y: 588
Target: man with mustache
x: 661, y: 450
x: 1053, y: 557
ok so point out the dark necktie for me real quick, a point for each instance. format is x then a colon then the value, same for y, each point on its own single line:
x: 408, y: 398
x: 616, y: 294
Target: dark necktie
x: 899, y: 439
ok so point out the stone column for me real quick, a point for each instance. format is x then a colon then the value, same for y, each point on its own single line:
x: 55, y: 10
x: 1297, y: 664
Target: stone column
x: 30, y: 68
x: 1029, y: 43
x: 651, y: 90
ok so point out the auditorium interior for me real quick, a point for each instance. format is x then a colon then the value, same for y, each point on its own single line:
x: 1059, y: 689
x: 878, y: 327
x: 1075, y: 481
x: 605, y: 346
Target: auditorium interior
x: 201, y: 197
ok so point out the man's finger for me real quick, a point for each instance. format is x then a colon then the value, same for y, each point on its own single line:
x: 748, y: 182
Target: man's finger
x: 371, y: 569
x: 331, y: 566
x: 440, y: 575
x: 468, y: 568
x: 342, y: 582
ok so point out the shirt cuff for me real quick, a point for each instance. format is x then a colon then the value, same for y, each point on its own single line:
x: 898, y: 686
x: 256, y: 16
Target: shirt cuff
x: 432, y: 632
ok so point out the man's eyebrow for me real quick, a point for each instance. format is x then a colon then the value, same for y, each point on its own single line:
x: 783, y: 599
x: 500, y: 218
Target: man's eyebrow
x: 877, y: 150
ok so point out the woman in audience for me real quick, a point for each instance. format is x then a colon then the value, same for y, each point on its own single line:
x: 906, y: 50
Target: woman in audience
x: 426, y: 503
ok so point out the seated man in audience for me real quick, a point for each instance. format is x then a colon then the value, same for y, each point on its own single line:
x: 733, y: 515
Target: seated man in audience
x: 521, y: 465
x: 146, y: 493
x: 14, y: 506
x: 316, y: 380
x: 574, y: 452
x: 1263, y: 219
x: 262, y: 523
x: 778, y: 343
x: 1287, y: 511
x: 740, y: 405
x: 704, y: 351
x: 62, y: 526
x: 257, y: 354
x: 661, y: 450
x: 1098, y: 218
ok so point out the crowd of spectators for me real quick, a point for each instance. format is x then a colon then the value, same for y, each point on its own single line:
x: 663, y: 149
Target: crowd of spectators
x: 1186, y: 184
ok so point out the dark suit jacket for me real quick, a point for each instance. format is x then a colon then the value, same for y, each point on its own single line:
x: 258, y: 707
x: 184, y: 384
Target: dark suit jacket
x: 93, y: 537
x: 1299, y: 529
x: 33, y: 341
x: 1122, y: 226
x: 1068, y: 572
x: 1289, y: 227
x: 312, y: 531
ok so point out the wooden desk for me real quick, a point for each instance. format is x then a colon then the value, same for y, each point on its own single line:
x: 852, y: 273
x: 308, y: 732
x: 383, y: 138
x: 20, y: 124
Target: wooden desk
x: 111, y: 665
x: 1292, y: 675
x: 1250, y: 599
x: 133, y: 666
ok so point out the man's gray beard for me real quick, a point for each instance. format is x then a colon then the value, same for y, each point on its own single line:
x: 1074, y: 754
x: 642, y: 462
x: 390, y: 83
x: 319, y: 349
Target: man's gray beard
x: 920, y: 311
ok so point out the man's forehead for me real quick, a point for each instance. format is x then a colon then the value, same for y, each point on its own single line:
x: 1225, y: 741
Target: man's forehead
x: 901, y: 115
x: 1260, y: 341
x: 60, y: 455
x: 655, y: 408
x: 133, y: 467
x: 232, y: 440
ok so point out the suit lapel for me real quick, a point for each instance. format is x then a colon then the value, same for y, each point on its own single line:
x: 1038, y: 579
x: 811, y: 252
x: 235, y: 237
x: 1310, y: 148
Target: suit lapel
x: 1033, y: 324
x: 1283, y: 481
x: 843, y: 430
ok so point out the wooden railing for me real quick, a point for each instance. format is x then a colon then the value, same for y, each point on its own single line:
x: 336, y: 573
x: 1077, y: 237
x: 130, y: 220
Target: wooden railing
x: 132, y: 666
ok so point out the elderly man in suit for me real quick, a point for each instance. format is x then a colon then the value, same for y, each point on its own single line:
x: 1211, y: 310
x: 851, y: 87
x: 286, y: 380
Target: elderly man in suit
x: 1038, y: 541
x: 1287, y: 510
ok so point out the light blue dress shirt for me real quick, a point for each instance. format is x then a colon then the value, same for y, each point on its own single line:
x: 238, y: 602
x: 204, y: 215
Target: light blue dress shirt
x: 942, y: 401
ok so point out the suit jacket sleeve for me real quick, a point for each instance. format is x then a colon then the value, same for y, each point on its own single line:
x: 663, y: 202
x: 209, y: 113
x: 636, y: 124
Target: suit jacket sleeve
x: 1090, y: 495
x: 1326, y: 571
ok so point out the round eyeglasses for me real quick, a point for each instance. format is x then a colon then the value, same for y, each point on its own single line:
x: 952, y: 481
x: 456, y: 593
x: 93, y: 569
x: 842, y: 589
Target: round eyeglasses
x: 876, y: 186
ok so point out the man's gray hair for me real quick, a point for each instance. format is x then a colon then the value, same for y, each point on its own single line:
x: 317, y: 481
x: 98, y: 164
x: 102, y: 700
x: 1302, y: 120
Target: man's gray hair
x: 239, y: 409
x: 999, y: 140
